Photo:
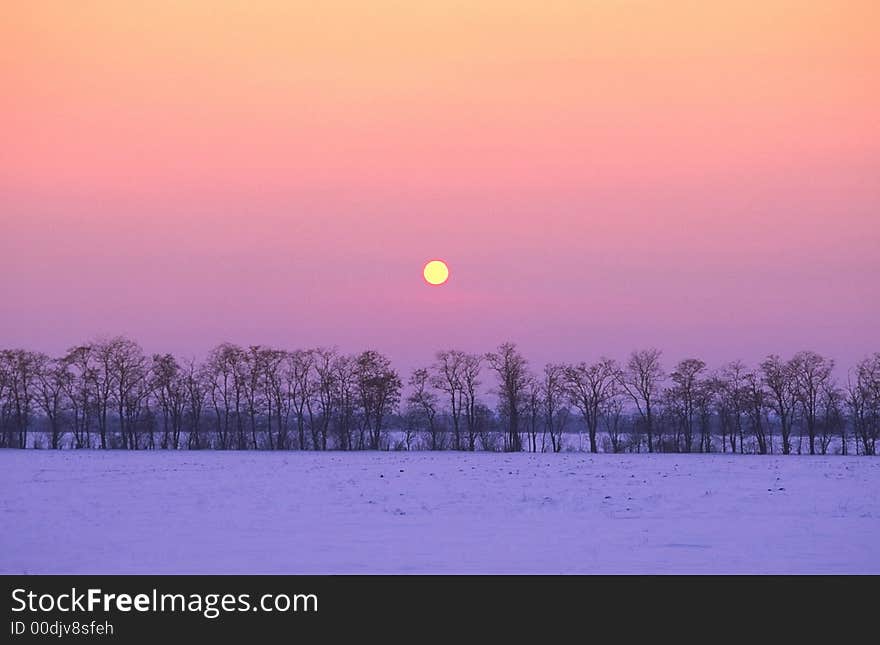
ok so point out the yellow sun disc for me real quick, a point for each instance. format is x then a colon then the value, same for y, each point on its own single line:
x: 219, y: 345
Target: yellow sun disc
x: 436, y: 272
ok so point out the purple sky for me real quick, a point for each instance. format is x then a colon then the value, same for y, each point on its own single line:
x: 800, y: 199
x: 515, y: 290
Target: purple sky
x: 598, y: 179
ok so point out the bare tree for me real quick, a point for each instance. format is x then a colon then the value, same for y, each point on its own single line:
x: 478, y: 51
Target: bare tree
x: 252, y: 376
x: 141, y: 418
x: 379, y: 388
x: 350, y: 435
x: 171, y: 394
x: 779, y: 380
x: 277, y: 401
x: 102, y: 385
x: 224, y: 390
x: 297, y: 368
x: 266, y: 398
x: 730, y: 404
x: 250, y: 372
x: 196, y: 393
x: 447, y: 377
x: 6, y: 435
x: 553, y: 393
x: 611, y: 414
x: 19, y: 371
x: 811, y: 373
x: 471, y: 366
x: 531, y: 412
x: 8, y: 438
x: 79, y: 364
x: 511, y: 369
x: 322, y: 396
x: 682, y: 398
x: 121, y: 378
x: 692, y: 395
x: 51, y: 385
x: 589, y: 388
x: 754, y: 398
x: 488, y: 428
x: 411, y: 426
x: 863, y: 401
x: 704, y: 402
x: 641, y: 380
x: 423, y: 405
x: 832, y: 419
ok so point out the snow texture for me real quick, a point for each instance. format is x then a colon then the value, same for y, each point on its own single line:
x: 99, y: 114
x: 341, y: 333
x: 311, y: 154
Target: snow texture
x: 260, y: 512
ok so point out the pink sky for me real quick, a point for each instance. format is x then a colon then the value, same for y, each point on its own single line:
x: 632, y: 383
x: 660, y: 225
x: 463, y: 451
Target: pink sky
x: 599, y: 176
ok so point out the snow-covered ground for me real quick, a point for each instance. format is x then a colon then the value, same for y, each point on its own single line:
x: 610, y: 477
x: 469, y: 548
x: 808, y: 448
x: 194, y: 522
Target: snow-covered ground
x: 216, y: 512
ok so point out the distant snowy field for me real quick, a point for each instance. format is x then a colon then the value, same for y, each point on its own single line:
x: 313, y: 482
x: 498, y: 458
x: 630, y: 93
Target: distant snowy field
x: 395, y: 512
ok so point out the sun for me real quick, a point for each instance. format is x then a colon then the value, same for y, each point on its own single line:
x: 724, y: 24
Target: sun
x: 436, y: 272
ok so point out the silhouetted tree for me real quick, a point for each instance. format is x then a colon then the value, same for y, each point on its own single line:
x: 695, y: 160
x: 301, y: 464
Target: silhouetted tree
x: 6, y: 436
x: 51, y: 384
x: 297, y: 368
x: 641, y: 380
x: 224, y: 391
x: 170, y: 392
x: 349, y: 436
x: 730, y: 404
x: 611, y: 413
x: 79, y: 388
x: 379, y: 388
x: 754, y: 398
x: 469, y: 376
x: 275, y: 397
x: 196, y: 392
x: 321, y: 396
x: 553, y: 395
x: 704, y: 402
x: 251, y: 374
x: 832, y: 419
x: 778, y: 376
x: 531, y: 413
x: 811, y: 373
x: 863, y: 401
x: 682, y: 397
x: 19, y: 370
x: 589, y: 388
x: 267, y: 398
x: 447, y: 377
x: 511, y: 369
x: 423, y: 405
x: 122, y: 376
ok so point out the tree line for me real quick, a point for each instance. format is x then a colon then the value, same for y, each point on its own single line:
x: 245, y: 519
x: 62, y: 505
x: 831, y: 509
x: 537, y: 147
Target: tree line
x: 110, y: 394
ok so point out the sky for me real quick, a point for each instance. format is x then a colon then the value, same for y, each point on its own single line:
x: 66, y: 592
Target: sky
x: 599, y: 176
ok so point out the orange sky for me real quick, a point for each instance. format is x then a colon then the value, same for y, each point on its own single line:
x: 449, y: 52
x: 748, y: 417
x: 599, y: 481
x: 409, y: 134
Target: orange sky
x: 639, y: 166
